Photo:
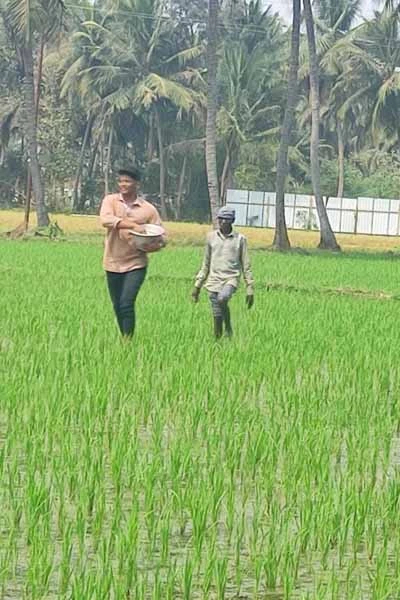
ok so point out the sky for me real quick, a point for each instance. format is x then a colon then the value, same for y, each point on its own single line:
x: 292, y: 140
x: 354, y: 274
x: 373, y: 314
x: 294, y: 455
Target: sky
x: 284, y: 7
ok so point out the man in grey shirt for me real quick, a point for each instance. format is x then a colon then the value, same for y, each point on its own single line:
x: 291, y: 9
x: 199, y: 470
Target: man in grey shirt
x: 225, y: 258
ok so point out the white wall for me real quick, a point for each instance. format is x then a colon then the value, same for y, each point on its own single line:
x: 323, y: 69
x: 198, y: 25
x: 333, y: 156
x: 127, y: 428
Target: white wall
x: 374, y: 216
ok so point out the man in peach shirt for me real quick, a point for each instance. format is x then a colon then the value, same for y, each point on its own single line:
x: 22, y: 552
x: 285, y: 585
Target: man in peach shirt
x: 124, y: 264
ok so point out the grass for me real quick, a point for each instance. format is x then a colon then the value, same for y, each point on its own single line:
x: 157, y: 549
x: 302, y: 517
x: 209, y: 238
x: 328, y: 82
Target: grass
x: 174, y: 467
x: 194, y: 234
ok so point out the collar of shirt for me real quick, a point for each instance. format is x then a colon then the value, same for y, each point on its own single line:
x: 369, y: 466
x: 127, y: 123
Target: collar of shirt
x: 224, y: 237
x: 137, y: 202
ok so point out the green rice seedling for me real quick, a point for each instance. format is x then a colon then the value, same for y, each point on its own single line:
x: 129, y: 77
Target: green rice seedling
x: 66, y: 560
x: 39, y: 569
x: 208, y: 575
x: 334, y: 585
x: 381, y: 582
x: 117, y: 516
x: 81, y: 529
x: 171, y: 584
x: 343, y: 539
x: 130, y: 573
x: 165, y: 534
x: 351, y: 580
x: 258, y: 573
x: 217, y: 485
x: 151, y: 528
x: 187, y: 583
x: 158, y: 592
x: 98, y: 519
x: 199, y: 511
x: 371, y: 535
x: 221, y: 576
x: 239, y: 540
x: 231, y: 514
x: 272, y: 560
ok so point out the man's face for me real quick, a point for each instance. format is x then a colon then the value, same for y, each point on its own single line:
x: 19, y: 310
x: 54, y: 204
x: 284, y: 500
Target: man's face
x: 225, y: 226
x: 127, y: 185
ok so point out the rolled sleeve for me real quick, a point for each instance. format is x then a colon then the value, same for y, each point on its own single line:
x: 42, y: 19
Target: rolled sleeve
x: 246, y: 267
x: 155, y: 219
x: 108, y: 218
x: 202, y: 275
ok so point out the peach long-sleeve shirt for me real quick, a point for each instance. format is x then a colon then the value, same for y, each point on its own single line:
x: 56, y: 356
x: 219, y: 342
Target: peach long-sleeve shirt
x: 120, y: 252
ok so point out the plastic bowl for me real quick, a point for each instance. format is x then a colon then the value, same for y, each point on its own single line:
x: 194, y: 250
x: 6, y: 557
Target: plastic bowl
x: 152, y: 233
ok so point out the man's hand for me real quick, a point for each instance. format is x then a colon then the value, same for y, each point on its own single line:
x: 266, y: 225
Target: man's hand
x: 195, y: 294
x: 249, y: 300
x: 129, y: 223
x: 136, y: 227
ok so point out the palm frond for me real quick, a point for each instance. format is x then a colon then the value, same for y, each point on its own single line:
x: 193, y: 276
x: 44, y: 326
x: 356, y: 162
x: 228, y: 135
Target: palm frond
x: 27, y: 17
x: 155, y: 87
x: 267, y: 133
x: 185, y: 56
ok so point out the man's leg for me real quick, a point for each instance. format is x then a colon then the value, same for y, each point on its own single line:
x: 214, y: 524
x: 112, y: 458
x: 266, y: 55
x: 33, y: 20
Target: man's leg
x: 131, y: 285
x: 114, y: 284
x: 217, y: 314
x: 227, y: 320
x: 223, y: 299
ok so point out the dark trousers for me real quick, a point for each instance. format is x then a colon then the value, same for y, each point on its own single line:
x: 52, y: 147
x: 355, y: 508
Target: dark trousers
x: 124, y: 288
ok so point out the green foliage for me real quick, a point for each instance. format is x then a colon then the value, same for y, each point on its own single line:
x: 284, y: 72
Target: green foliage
x: 256, y: 168
x: 365, y: 175
x: 382, y: 178
x: 25, y: 19
x: 59, y: 154
x: 133, y: 69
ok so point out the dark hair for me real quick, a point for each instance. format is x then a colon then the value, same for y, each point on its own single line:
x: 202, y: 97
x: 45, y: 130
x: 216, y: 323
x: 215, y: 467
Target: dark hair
x: 132, y: 172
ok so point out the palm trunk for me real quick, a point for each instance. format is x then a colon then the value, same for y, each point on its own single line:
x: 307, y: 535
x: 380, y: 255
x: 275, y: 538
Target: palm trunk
x: 281, y: 238
x: 108, y: 161
x: 212, y: 98
x: 37, y: 101
x: 28, y: 196
x: 224, y: 175
x: 92, y: 163
x: 78, y: 175
x: 150, y: 139
x: 327, y: 237
x: 161, y: 154
x: 340, y: 189
x: 180, y: 188
x: 30, y: 130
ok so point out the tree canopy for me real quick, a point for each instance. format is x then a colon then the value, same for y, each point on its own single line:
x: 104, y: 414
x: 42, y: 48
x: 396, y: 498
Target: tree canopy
x: 126, y: 81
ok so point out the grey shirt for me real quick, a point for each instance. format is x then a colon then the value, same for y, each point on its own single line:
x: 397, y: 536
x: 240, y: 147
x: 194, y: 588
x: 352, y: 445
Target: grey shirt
x: 225, y: 258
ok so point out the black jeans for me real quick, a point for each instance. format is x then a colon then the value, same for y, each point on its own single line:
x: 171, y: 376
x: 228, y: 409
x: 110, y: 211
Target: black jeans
x: 124, y: 288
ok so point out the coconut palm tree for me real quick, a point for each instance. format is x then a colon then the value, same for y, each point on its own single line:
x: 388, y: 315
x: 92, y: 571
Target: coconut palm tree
x: 212, y: 108
x: 371, y: 55
x: 336, y: 16
x: 327, y: 237
x: 281, y: 238
x: 250, y: 75
x: 332, y: 21
x: 25, y: 22
x: 79, y: 86
x: 138, y: 64
x: 335, y: 19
